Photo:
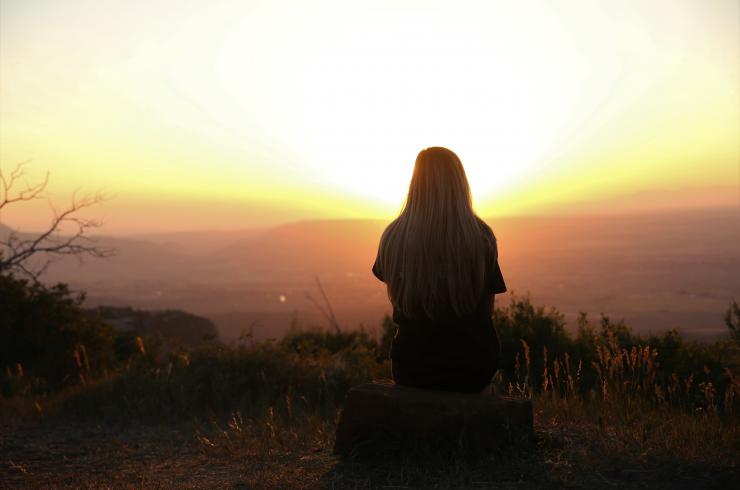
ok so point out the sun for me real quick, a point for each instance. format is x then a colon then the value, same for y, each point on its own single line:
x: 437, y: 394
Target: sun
x: 355, y: 99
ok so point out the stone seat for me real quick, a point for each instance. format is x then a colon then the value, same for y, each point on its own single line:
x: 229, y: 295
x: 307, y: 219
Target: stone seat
x: 384, y: 414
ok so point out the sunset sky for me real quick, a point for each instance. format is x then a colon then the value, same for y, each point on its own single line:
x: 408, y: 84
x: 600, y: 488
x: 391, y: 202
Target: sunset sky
x: 231, y: 114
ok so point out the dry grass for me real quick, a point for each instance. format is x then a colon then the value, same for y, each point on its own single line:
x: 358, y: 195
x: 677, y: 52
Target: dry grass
x: 264, y: 416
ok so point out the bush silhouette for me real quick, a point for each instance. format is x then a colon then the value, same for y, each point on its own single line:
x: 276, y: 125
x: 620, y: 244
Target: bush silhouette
x: 46, y: 336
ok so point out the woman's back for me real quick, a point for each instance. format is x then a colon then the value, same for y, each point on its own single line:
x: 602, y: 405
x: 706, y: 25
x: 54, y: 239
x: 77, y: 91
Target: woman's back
x: 441, y: 275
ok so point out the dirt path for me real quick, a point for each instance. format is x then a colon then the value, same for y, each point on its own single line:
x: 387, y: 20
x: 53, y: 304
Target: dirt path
x: 70, y: 456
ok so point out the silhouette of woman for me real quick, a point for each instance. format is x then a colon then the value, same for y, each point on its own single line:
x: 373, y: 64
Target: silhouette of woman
x: 439, y: 261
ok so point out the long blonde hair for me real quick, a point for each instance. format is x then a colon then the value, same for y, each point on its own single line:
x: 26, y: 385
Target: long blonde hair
x: 434, y: 254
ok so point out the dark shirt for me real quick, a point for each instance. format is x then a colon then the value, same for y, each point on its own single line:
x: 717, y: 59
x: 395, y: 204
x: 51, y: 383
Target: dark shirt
x: 450, y: 350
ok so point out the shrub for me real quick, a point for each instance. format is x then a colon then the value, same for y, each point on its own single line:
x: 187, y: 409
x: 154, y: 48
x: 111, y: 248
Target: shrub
x: 45, y: 334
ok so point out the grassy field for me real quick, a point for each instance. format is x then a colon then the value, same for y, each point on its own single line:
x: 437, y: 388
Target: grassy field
x: 611, y: 411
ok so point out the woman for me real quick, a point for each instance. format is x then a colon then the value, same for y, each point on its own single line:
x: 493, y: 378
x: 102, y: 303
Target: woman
x: 440, y: 263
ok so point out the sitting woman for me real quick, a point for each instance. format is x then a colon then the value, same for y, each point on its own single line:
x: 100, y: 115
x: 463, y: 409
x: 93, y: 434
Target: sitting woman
x: 439, y: 261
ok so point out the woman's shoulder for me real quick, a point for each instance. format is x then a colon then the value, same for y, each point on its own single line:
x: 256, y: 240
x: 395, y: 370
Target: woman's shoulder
x: 390, y: 227
x: 483, y: 225
x: 487, y: 231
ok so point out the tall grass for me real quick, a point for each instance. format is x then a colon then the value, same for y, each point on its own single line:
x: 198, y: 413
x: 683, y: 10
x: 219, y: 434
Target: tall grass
x: 623, y: 394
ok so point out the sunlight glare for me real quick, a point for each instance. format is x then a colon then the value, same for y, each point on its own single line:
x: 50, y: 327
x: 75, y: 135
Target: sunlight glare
x: 356, y: 112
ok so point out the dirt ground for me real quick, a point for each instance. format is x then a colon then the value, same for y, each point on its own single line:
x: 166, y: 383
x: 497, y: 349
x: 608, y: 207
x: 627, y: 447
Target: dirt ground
x: 70, y: 456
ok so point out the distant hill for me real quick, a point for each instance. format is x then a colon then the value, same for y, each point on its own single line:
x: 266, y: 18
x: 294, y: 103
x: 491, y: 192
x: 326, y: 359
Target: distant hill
x: 5, y: 231
x: 192, y: 330
x: 657, y: 271
x: 200, y: 242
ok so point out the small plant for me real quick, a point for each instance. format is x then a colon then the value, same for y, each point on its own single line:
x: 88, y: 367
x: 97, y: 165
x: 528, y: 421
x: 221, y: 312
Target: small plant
x: 732, y: 320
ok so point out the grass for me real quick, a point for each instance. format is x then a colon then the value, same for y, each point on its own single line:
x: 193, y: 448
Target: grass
x: 264, y: 415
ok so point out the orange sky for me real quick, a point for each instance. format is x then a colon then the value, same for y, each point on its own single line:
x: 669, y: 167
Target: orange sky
x: 234, y: 114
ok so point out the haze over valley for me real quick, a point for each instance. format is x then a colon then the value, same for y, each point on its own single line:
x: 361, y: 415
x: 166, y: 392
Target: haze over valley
x: 659, y: 270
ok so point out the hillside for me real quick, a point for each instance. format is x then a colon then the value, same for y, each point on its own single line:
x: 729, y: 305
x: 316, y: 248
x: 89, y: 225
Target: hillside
x: 657, y: 271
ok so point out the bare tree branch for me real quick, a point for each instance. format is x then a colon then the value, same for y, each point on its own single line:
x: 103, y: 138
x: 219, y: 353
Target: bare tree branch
x: 17, y: 250
x: 28, y: 193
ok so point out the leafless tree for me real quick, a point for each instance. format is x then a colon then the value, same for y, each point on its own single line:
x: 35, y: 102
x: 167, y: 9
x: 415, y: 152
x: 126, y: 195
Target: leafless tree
x: 17, y: 249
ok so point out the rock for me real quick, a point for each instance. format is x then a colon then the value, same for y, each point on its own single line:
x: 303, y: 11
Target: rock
x: 384, y: 415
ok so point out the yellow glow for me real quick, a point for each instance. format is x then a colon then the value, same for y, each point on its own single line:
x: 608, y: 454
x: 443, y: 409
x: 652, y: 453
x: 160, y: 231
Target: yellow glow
x: 306, y: 109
